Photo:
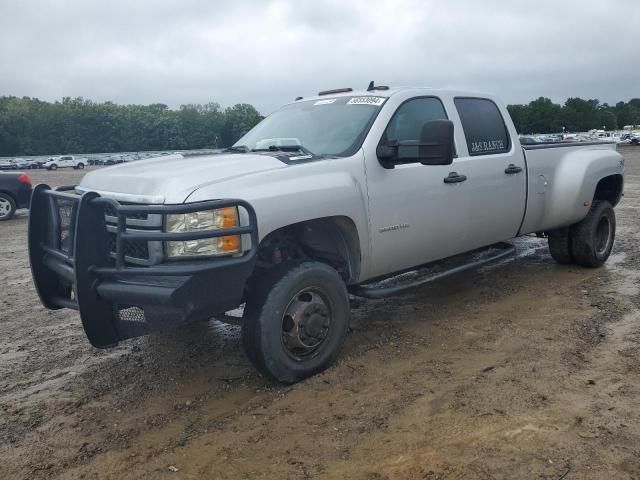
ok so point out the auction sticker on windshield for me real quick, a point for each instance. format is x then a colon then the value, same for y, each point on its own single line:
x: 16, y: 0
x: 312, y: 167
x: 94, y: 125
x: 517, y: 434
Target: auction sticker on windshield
x: 375, y: 101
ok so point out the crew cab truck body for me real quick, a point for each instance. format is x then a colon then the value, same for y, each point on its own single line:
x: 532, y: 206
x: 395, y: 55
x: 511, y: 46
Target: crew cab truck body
x: 321, y: 198
x: 65, y: 161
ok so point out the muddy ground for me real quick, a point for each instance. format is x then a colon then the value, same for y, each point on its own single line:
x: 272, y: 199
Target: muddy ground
x: 524, y: 370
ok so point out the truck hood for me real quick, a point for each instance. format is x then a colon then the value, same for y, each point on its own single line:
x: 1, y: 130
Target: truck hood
x: 172, y: 178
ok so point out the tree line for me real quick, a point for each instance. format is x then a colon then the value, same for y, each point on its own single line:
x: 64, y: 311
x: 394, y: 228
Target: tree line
x: 29, y: 126
x: 576, y: 115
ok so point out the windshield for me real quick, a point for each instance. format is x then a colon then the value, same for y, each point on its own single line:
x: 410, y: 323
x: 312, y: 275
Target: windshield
x: 330, y: 126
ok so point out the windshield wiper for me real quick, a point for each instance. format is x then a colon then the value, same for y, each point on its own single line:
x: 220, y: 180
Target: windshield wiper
x: 237, y: 149
x: 284, y: 148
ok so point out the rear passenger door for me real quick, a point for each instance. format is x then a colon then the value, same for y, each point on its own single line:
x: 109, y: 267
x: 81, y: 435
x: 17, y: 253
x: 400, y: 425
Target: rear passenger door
x: 495, y: 170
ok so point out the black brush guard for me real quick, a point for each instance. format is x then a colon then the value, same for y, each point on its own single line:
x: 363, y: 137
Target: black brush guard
x: 73, y: 266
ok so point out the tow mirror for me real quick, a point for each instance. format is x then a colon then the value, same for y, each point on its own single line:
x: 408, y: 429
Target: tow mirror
x: 435, y: 147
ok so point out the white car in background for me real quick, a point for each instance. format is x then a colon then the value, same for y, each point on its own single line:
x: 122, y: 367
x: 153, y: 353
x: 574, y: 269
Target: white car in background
x: 65, y: 161
x: 8, y: 165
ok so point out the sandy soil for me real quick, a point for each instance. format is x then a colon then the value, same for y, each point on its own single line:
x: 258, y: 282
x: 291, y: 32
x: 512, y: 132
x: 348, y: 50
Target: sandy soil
x: 524, y: 370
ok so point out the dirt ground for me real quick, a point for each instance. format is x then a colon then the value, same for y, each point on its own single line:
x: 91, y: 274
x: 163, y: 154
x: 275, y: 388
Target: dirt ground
x: 526, y: 369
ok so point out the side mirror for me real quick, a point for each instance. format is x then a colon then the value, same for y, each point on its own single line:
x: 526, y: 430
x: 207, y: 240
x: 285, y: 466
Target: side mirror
x: 436, y: 141
x: 435, y: 147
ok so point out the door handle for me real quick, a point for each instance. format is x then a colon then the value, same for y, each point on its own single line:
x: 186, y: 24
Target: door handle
x: 512, y: 169
x: 455, y: 177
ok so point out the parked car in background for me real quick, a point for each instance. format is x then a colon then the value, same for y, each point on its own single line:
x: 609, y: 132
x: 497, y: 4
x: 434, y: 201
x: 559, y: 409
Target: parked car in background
x: 575, y: 137
x: 634, y: 139
x: 65, y: 161
x: 8, y: 165
x: 15, y: 193
x: 21, y: 163
x: 114, y: 159
x: 35, y: 164
x: 528, y: 141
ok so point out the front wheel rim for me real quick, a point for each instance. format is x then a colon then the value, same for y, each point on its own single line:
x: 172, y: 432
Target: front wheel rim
x: 603, y: 235
x: 5, y: 208
x: 306, y: 323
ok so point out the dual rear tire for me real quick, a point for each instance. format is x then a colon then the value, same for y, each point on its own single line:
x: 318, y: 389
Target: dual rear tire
x: 589, y: 242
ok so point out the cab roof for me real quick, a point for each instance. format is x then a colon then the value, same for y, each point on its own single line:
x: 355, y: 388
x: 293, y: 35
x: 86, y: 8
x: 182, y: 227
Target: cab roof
x: 391, y: 91
x: 345, y: 92
x: 388, y: 92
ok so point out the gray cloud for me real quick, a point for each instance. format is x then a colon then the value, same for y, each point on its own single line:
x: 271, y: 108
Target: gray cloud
x: 268, y: 52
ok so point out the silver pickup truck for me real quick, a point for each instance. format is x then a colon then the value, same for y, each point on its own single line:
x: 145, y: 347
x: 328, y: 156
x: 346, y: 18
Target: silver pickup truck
x: 330, y: 195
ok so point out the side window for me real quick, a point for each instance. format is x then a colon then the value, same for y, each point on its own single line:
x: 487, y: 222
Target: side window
x: 407, y: 122
x: 483, y: 126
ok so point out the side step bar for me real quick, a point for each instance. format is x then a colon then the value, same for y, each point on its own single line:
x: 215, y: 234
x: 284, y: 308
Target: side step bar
x: 434, y: 271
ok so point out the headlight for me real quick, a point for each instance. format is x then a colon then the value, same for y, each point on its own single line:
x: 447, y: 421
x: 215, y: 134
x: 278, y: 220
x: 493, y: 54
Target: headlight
x: 217, y: 219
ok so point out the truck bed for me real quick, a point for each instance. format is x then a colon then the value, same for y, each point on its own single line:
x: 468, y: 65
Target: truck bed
x: 562, y: 178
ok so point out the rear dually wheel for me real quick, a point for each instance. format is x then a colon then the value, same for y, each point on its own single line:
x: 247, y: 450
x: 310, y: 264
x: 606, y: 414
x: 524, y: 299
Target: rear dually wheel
x: 560, y: 245
x: 592, y: 238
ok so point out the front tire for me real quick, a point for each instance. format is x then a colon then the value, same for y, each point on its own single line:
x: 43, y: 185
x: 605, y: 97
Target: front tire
x: 7, y: 207
x: 53, y: 167
x: 592, y: 238
x: 296, y: 320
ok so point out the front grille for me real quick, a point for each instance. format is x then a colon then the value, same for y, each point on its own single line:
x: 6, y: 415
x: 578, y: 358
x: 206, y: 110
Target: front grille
x: 65, y: 210
x: 137, y: 252
x: 110, y: 212
x: 134, y: 249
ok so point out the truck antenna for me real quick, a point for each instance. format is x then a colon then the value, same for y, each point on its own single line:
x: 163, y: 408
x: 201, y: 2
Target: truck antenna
x: 372, y: 87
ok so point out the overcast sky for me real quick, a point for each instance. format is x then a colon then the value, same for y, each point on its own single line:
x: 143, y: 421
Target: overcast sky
x: 268, y: 52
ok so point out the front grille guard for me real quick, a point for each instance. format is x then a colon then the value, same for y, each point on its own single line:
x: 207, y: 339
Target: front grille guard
x: 70, y: 254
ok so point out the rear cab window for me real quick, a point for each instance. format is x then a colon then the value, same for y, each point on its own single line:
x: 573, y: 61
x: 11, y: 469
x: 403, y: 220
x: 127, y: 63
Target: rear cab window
x: 483, y: 125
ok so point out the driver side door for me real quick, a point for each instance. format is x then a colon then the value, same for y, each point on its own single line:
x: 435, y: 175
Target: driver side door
x: 415, y: 217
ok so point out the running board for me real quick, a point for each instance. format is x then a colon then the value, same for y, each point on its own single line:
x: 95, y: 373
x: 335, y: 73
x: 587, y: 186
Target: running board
x: 434, y: 271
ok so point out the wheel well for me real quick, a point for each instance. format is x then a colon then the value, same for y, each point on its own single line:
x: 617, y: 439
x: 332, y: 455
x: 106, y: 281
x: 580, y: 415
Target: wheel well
x: 9, y: 194
x: 331, y: 240
x: 610, y: 189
